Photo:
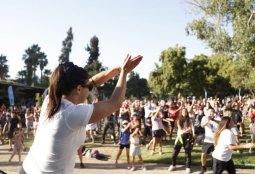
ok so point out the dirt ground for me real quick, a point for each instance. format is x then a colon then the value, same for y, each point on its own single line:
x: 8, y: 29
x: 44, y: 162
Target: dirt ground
x: 94, y: 166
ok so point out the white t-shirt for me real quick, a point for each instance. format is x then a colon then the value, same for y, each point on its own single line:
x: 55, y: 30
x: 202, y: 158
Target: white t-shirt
x: 210, y: 128
x: 57, y: 139
x: 221, y: 151
x: 156, y: 123
x: 148, y: 110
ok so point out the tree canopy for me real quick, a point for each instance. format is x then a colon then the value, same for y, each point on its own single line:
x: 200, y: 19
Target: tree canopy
x: 4, y: 68
x: 228, y: 28
x: 93, y: 65
x: 67, y: 47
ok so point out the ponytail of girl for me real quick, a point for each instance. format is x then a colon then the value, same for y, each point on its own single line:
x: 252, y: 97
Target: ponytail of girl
x: 55, y: 92
x: 224, y: 124
x: 63, y: 80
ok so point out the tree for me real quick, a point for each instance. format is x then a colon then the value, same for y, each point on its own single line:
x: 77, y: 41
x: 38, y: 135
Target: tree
x: 67, y: 47
x: 45, y: 78
x: 107, y: 88
x: 43, y: 61
x: 4, y: 68
x: 21, y: 76
x: 170, y: 77
x: 93, y: 65
x: 137, y: 87
x: 197, y: 71
x: 228, y: 28
x: 31, y: 59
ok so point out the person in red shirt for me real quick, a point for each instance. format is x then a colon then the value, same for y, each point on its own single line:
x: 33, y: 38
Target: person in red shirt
x: 252, y: 114
x: 173, y: 113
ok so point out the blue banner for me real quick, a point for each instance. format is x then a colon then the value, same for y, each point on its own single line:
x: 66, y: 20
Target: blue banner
x: 11, y: 96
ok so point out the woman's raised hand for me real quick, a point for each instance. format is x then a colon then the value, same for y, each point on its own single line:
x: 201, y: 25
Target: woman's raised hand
x: 130, y: 63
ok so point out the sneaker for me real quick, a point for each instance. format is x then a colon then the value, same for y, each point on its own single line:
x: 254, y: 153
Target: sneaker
x: 82, y: 165
x: 153, y: 152
x: 132, y: 168
x: 116, y: 164
x: 171, y: 168
x: 203, y: 170
x: 160, y: 152
x: 129, y: 167
x: 144, y: 168
x: 188, y: 171
x: 250, y: 151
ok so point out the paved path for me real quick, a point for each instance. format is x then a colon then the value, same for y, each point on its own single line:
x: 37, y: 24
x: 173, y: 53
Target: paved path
x: 94, y: 166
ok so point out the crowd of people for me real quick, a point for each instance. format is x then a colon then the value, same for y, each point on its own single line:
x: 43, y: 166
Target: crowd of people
x: 215, y: 124
x: 149, y: 122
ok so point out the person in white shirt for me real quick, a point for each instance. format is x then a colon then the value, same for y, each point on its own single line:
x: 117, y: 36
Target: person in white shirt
x: 64, y: 115
x: 210, y: 123
x: 225, y: 142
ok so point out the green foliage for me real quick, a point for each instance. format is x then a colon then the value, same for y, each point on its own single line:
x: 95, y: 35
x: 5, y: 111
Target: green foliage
x: 228, y: 28
x: 93, y: 66
x: 137, y: 87
x: 176, y: 76
x: 21, y: 76
x: 169, y: 78
x: 197, y: 71
x: 4, y: 68
x: 33, y: 58
x: 45, y: 78
x: 107, y: 88
x: 67, y: 47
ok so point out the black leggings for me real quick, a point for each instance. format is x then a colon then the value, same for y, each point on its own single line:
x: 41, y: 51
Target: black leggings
x: 220, y: 166
x: 187, y: 138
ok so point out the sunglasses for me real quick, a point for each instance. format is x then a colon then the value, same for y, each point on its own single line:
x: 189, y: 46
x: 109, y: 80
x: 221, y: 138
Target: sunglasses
x: 89, y: 86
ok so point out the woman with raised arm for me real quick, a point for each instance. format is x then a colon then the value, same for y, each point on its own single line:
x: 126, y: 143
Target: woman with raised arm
x: 64, y: 115
x: 225, y: 142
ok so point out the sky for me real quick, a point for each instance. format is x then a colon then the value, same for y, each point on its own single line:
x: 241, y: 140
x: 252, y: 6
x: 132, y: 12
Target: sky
x: 145, y: 27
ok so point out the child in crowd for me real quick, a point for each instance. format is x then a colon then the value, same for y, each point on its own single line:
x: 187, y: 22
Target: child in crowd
x: 18, y: 144
x: 252, y: 132
x: 124, y: 142
x: 135, y: 149
x: 91, y: 130
x: 157, y: 130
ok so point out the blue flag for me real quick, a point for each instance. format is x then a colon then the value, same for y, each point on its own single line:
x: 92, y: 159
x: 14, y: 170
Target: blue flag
x: 11, y: 96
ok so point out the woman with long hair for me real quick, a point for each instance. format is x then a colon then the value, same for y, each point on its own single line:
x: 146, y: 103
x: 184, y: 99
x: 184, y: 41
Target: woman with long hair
x: 225, y: 142
x: 184, y: 138
x: 64, y: 115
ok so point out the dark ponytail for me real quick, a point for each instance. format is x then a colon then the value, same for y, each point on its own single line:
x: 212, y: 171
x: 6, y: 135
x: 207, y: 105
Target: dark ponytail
x: 63, y: 80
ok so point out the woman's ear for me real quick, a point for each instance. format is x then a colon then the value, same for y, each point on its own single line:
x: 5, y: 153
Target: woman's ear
x: 78, y: 89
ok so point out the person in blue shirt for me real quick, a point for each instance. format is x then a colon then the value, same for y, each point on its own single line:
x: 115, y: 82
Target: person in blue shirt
x: 124, y: 142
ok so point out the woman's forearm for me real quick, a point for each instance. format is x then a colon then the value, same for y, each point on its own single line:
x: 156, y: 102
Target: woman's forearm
x: 104, y: 76
x: 118, y: 95
x: 240, y: 146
